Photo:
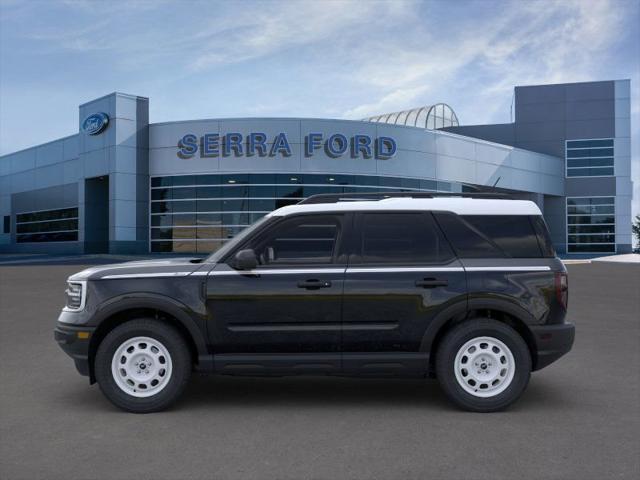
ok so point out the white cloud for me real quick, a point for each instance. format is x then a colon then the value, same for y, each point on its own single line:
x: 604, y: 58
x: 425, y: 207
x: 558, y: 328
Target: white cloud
x: 525, y: 44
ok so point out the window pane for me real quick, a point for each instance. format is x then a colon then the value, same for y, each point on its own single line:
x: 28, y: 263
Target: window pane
x: 402, y: 238
x: 590, y: 162
x: 589, y: 143
x: 183, y: 206
x: 235, y: 192
x: 544, y: 238
x: 292, y: 191
x: 590, y: 172
x: 208, y: 192
x: 466, y: 242
x: 161, y: 233
x: 208, y: 179
x: 300, y: 241
x: 161, y: 220
x: 262, y: 205
x: 161, y: 194
x: 514, y: 234
x: 181, y: 193
x: 592, y: 219
x: 160, y: 207
x: 209, y: 219
x: 591, y: 209
x: 210, y: 232
x: 590, y: 248
x: 209, y: 206
x: 184, y: 219
x: 161, y: 181
x: 161, y: 246
x: 591, y: 229
x: 184, y: 180
x: 599, y: 238
x: 590, y: 152
x: 237, y: 218
x: 265, y: 192
x: 184, y: 232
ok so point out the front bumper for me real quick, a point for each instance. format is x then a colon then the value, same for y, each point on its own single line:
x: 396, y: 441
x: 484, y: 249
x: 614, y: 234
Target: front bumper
x: 74, y: 340
x: 552, y: 342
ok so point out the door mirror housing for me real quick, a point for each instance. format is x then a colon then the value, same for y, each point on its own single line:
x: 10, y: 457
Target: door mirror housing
x: 245, y: 260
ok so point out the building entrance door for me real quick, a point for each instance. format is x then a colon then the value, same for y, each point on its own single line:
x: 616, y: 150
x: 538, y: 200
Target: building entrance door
x: 96, y: 215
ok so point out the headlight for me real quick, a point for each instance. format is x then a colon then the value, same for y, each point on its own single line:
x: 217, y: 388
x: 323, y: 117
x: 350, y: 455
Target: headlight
x: 76, y: 295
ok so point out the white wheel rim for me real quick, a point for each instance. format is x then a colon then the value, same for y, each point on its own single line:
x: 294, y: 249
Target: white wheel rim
x: 484, y: 367
x: 141, y: 366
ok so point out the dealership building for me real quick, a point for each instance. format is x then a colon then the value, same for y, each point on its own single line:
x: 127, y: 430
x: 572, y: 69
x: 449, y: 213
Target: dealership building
x: 124, y: 185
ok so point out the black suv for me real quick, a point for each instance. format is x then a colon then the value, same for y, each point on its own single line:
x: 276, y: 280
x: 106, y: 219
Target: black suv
x: 468, y: 290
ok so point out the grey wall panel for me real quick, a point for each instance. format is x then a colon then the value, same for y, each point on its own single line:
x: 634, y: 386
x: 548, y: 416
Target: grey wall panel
x: 590, y: 110
x: 50, y: 153
x: 549, y: 147
x: 70, y: 147
x: 595, y: 128
x: 21, y: 161
x: 589, y: 91
x: 541, y: 112
x: 503, y: 133
x: 593, y: 186
x: 534, y: 94
x: 537, y: 131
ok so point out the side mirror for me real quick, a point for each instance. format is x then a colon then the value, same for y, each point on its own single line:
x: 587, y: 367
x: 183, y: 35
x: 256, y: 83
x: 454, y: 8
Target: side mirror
x: 245, y: 260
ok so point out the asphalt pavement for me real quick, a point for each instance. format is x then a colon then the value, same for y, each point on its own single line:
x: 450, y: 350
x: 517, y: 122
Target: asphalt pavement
x: 579, y: 418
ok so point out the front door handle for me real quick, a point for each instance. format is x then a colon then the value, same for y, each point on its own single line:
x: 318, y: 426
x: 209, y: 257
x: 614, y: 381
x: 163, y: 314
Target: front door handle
x: 431, y: 283
x: 314, y: 284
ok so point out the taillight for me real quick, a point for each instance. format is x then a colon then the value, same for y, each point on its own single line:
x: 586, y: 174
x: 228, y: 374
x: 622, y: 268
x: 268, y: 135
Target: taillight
x: 562, y: 288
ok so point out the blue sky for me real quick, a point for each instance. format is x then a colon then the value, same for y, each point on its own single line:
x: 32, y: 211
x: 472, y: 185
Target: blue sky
x: 333, y: 59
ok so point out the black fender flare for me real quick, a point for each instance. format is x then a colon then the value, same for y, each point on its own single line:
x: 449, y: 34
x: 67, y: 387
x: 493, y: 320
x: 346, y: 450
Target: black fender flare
x: 461, y: 308
x: 153, y: 301
x: 456, y: 309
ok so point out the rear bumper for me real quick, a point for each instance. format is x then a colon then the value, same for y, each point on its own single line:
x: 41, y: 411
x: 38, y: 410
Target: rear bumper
x: 74, y: 341
x: 552, y: 342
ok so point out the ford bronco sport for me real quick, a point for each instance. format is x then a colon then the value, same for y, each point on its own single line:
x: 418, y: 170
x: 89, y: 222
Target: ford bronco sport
x: 468, y: 290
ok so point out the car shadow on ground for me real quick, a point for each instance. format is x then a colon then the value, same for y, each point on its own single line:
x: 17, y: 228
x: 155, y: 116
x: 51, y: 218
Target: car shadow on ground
x: 319, y: 392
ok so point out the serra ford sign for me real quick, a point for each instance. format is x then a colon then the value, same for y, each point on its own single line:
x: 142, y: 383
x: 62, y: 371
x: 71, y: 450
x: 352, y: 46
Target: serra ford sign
x: 258, y: 144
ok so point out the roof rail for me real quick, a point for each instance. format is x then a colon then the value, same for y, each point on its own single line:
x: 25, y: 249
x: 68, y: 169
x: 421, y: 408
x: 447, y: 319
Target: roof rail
x: 376, y: 196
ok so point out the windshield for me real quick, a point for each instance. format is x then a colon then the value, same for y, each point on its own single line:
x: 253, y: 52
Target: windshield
x: 231, y: 244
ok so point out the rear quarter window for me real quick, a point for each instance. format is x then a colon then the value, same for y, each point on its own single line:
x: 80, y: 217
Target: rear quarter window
x: 485, y: 236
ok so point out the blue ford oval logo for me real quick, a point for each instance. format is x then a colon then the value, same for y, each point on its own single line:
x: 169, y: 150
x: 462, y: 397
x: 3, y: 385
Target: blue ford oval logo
x: 95, y: 123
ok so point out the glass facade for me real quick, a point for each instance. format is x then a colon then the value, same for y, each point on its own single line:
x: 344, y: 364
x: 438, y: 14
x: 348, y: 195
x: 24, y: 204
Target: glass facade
x: 60, y: 225
x: 197, y: 213
x: 589, y: 158
x: 591, y: 226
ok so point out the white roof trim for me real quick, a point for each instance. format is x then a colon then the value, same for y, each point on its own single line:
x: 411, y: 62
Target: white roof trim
x: 461, y: 206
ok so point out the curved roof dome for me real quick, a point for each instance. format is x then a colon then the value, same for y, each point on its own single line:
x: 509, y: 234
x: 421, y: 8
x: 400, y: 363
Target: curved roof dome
x: 430, y: 117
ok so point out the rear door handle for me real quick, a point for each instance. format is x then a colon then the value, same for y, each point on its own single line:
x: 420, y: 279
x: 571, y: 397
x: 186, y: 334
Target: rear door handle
x: 314, y: 284
x: 431, y: 283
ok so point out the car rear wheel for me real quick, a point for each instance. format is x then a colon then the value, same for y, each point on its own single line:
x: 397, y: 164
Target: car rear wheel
x: 483, y: 365
x: 143, y: 365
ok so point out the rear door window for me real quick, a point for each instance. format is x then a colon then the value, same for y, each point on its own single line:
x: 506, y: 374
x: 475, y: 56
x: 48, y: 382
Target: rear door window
x: 402, y: 238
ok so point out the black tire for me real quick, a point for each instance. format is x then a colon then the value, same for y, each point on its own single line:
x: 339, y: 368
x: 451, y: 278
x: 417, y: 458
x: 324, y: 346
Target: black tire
x: 456, y: 338
x: 177, y: 348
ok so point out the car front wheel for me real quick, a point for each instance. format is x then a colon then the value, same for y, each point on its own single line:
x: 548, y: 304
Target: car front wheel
x: 143, y: 365
x: 483, y: 365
